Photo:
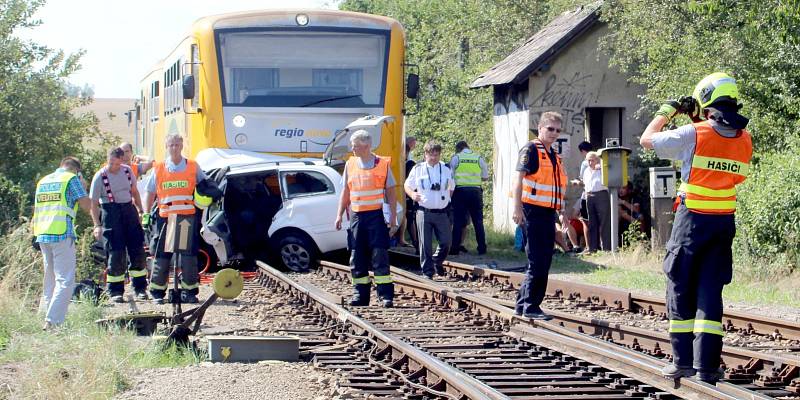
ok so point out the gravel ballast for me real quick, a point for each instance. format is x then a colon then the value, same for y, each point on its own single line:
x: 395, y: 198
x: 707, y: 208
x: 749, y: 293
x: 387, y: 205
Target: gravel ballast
x: 270, y: 380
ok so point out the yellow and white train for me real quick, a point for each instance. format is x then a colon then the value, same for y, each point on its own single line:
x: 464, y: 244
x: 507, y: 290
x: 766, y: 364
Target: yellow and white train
x: 280, y: 82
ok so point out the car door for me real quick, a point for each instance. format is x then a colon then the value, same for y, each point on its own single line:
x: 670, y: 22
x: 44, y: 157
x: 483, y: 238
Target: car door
x: 311, y: 196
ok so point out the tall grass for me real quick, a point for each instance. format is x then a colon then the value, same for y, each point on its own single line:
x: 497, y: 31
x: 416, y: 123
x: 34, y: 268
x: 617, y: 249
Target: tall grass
x: 80, y: 360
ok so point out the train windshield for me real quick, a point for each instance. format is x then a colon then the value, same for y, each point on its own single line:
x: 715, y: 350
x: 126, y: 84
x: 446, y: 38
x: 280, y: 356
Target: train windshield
x: 336, y: 69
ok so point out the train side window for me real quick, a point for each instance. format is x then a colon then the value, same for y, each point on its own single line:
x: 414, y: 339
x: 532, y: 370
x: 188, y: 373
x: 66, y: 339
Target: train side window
x: 154, y: 97
x: 306, y: 183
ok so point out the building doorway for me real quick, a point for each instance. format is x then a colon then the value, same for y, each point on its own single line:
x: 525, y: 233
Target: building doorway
x: 603, y: 123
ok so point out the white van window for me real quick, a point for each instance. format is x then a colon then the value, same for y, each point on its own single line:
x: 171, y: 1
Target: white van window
x: 306, y: 183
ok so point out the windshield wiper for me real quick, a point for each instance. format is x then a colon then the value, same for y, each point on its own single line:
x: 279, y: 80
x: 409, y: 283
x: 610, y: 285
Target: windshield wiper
x: 331, y: 99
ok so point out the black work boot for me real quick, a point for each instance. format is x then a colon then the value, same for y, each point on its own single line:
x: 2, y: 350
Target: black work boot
x: 709, y: 376
x: 386, y: 293
x: 673, y: 371
x: 360, y: 295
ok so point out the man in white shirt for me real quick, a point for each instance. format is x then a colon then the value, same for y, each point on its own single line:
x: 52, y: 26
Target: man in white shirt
x: 598, y: 204
x: 430, y: 184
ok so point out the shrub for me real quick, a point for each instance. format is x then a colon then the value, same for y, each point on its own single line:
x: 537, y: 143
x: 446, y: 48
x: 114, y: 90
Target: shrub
x: 90, y: 259
x: 768, y: 216
x: 13, y: 205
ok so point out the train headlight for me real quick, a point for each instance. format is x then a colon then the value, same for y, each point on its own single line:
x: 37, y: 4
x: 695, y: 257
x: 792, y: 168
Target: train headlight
x: 301, y: 19
x: 239, y: 121
x: 241, y: 139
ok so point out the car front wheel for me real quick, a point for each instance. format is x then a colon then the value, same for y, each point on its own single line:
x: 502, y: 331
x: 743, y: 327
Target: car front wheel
x: 297, y: 253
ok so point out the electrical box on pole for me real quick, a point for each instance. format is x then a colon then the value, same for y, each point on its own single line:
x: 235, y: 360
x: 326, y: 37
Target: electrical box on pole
x: 615, y: 175
x: 662, y: 197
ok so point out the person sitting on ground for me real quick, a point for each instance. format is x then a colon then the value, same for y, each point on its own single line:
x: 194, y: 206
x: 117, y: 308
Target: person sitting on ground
x: 630, y: 209
x: 570, y: 226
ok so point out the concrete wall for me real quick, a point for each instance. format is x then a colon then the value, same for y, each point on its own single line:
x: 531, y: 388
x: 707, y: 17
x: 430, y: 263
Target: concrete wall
x: 578, y: 78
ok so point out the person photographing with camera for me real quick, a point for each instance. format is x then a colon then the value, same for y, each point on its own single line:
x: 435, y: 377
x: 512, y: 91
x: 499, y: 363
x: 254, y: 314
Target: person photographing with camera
x: 715, y: 150
x: 430, y: 184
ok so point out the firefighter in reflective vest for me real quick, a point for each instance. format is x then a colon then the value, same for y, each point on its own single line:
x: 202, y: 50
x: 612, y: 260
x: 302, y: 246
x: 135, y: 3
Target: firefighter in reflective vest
x: 138, y: 166
x: 116, y: 207
x: 715, y: 151
x: 174, y: 182
x: 469, y: 169
x: 368, y: 183
x: 538, y: 194
x: 56, y: 203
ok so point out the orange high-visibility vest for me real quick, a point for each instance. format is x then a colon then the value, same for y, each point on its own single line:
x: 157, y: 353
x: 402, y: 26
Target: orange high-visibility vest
x: 367, y: 186
x: 545, y: 187
x: 718, y: 165
x: 134, y: 170
x: 175, y: 190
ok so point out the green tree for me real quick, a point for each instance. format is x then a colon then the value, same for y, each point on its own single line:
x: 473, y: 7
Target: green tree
x: 38, y: 125
x: 12, y: 206
x: 668, y: 46
x: 452, y: 42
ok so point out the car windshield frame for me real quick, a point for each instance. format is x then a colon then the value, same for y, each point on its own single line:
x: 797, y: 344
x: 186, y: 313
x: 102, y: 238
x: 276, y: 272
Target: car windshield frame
x: 315, y: 101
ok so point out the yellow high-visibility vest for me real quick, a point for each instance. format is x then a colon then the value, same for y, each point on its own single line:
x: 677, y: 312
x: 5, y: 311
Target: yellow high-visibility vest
x: 468, y: 172
x: 51, y: 209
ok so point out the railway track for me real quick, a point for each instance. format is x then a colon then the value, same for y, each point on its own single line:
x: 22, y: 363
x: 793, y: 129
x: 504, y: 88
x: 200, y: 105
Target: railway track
x: 775, y: 374
x: 465, y: 346
x: 375, y: 363
x: 598, y: 297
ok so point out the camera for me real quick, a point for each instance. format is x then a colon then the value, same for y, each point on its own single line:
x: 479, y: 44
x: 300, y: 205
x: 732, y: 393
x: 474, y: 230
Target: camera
x: 436, y: 186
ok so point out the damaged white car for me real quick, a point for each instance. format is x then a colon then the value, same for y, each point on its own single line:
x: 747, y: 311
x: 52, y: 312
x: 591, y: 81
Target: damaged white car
x: 277, y: 207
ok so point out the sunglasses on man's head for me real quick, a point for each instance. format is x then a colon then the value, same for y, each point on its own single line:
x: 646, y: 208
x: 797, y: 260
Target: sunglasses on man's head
x: 551, y: 129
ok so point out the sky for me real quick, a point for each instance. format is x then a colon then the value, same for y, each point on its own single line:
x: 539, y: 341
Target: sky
x: 123, y: 39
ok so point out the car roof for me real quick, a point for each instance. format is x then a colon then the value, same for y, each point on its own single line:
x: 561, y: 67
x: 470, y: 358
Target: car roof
x: 243, y: 160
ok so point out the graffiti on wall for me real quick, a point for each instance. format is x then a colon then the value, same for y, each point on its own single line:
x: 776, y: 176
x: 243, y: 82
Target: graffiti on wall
x: 568, y: 95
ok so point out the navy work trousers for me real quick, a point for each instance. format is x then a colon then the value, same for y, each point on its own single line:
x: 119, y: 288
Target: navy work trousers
x: 430, y: 223
x: 189, y: 278
x: 540, y: 232
x: 123, y: 240
x: 468, y: 203
x: 370, y: 247
x: 698, y: 264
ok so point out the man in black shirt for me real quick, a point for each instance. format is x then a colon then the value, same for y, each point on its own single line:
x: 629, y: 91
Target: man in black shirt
x: 538, y: 194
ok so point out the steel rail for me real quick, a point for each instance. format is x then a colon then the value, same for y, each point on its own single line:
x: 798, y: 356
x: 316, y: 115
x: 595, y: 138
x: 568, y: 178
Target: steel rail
x: 766, y: 370
x: 456, y: 382
x: 619, y: 299
x: 647, y: 369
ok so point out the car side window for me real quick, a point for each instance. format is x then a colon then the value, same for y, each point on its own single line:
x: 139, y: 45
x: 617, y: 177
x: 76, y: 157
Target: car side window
x: 306, y: 183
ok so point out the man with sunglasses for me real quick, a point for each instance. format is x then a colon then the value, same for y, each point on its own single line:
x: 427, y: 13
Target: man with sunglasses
x: 538, y: 194
x: 58, y: 196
